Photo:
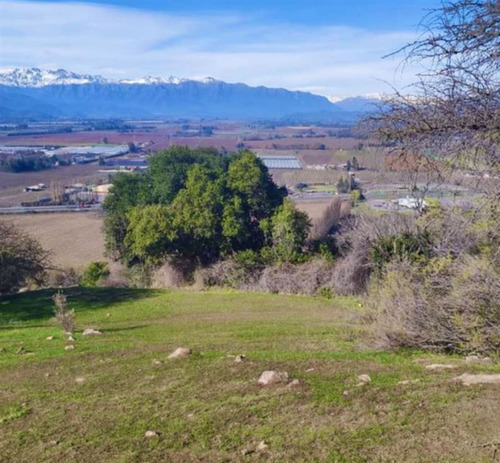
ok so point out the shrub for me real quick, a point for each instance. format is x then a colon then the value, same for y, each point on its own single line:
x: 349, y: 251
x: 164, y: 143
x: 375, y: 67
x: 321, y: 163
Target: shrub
x: 405, y: 246
x: 242, y: 271
x: 366, y: 244
x: 64, y: 316
x: 95, y: 273
x: 326, y: 292
x: 21, y: 259
x: 62, y: 278
x: 446, y: 305
x: 173, y: 274
x: 306, y: 278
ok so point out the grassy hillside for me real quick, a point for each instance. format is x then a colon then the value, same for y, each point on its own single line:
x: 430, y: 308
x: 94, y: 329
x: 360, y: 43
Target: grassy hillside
x: 96, y: 402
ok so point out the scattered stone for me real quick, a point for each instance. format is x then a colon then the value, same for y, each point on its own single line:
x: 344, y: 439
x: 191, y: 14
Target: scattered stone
x: 294, y: 383
x: 180, y: 352
x: 345, y: 393
x: 468, y: 380
x: 272, y: 377
x: 364, y: 378
x: 49, y: 338
x: 157, y: 362
x: 91, y: 332
x: 309, y: 370
x: 69, y: 347
x: 54, y: 442
x: 80, y: 379
x: 262, y: 447
x: 405, y: 382
x: 475, y: 359
x: 108, y: 315
x: 71, y: 338
x: 441, y: 366
x: 240, y: 358
x: 151, y: 434
x: 47, y: 375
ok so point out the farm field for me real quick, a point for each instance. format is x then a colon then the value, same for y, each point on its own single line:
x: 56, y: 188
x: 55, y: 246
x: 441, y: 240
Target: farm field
x: 75, y: 239
x: 12, y: 184
x: 313, y: 208
x: 95, y: 403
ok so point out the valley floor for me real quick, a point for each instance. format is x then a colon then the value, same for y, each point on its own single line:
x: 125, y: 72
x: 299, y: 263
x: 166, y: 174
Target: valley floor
x: 96, y: 402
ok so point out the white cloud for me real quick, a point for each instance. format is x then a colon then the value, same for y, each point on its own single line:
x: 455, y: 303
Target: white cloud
x: 121, y: 42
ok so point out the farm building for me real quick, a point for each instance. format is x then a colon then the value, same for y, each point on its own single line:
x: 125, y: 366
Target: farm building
x: 281, y: 162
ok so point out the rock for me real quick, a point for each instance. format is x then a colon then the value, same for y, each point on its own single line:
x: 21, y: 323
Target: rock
x: 157, y: 362
x: 151, y: 434
x: 364, y: 378
x: 71, y: 339
x: 441, y: 366
x: 240, y: 358
x: 272, y: 377
x: 309, y: 370
x: 49, y: 338
x: 180, y: 352
x: 80, y: 379
x: 69, y: 347
x: 405, y: 382
x: 91, y: 332
x: 345, y: 393
x: 262, y: 447
x: 245, y: 452
x: 472, y: 359
x: 294, y: 383
x: 47, y: 375
x: 468, y: 380
x: 108, y: 315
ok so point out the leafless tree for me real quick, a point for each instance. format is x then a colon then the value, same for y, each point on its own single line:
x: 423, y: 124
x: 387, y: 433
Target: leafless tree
x: 451, y: 121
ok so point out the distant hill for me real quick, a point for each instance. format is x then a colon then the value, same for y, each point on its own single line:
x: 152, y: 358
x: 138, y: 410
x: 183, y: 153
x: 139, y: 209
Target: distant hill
x: 42, y: 94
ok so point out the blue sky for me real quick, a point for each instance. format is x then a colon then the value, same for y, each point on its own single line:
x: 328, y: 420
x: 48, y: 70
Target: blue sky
x: 333, y: 48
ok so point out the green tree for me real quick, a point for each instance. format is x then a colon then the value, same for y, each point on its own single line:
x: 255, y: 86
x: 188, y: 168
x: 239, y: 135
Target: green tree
x: 195, y: 204
x: 289, y: 229
x: 94, y: 273
x: 150, y: 233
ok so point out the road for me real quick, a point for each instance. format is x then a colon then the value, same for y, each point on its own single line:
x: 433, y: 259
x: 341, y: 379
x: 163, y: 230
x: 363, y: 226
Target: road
x: 42, y: 209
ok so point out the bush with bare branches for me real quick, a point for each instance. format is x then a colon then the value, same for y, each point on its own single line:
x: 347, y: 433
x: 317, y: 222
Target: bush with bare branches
x: 448, y: 305
x: 21, y: 259
x: 64, y: 315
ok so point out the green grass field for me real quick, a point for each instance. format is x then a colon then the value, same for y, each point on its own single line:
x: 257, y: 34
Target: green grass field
x: 209, y: 408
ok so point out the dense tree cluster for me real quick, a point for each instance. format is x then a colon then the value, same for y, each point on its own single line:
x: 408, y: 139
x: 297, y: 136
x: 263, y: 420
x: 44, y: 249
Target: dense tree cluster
x: 200, y: 205
x: 29, y: 163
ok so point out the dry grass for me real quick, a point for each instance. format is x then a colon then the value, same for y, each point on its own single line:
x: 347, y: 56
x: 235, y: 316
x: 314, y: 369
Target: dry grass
x: 74, y: 239
x: 314, y: 209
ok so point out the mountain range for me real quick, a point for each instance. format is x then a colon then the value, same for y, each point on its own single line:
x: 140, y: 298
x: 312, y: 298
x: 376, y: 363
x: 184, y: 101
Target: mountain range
x: 44, y: 94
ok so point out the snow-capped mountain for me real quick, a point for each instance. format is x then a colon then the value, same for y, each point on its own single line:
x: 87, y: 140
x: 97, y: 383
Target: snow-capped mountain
x: 35, y: 77
x: 44, y: 94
